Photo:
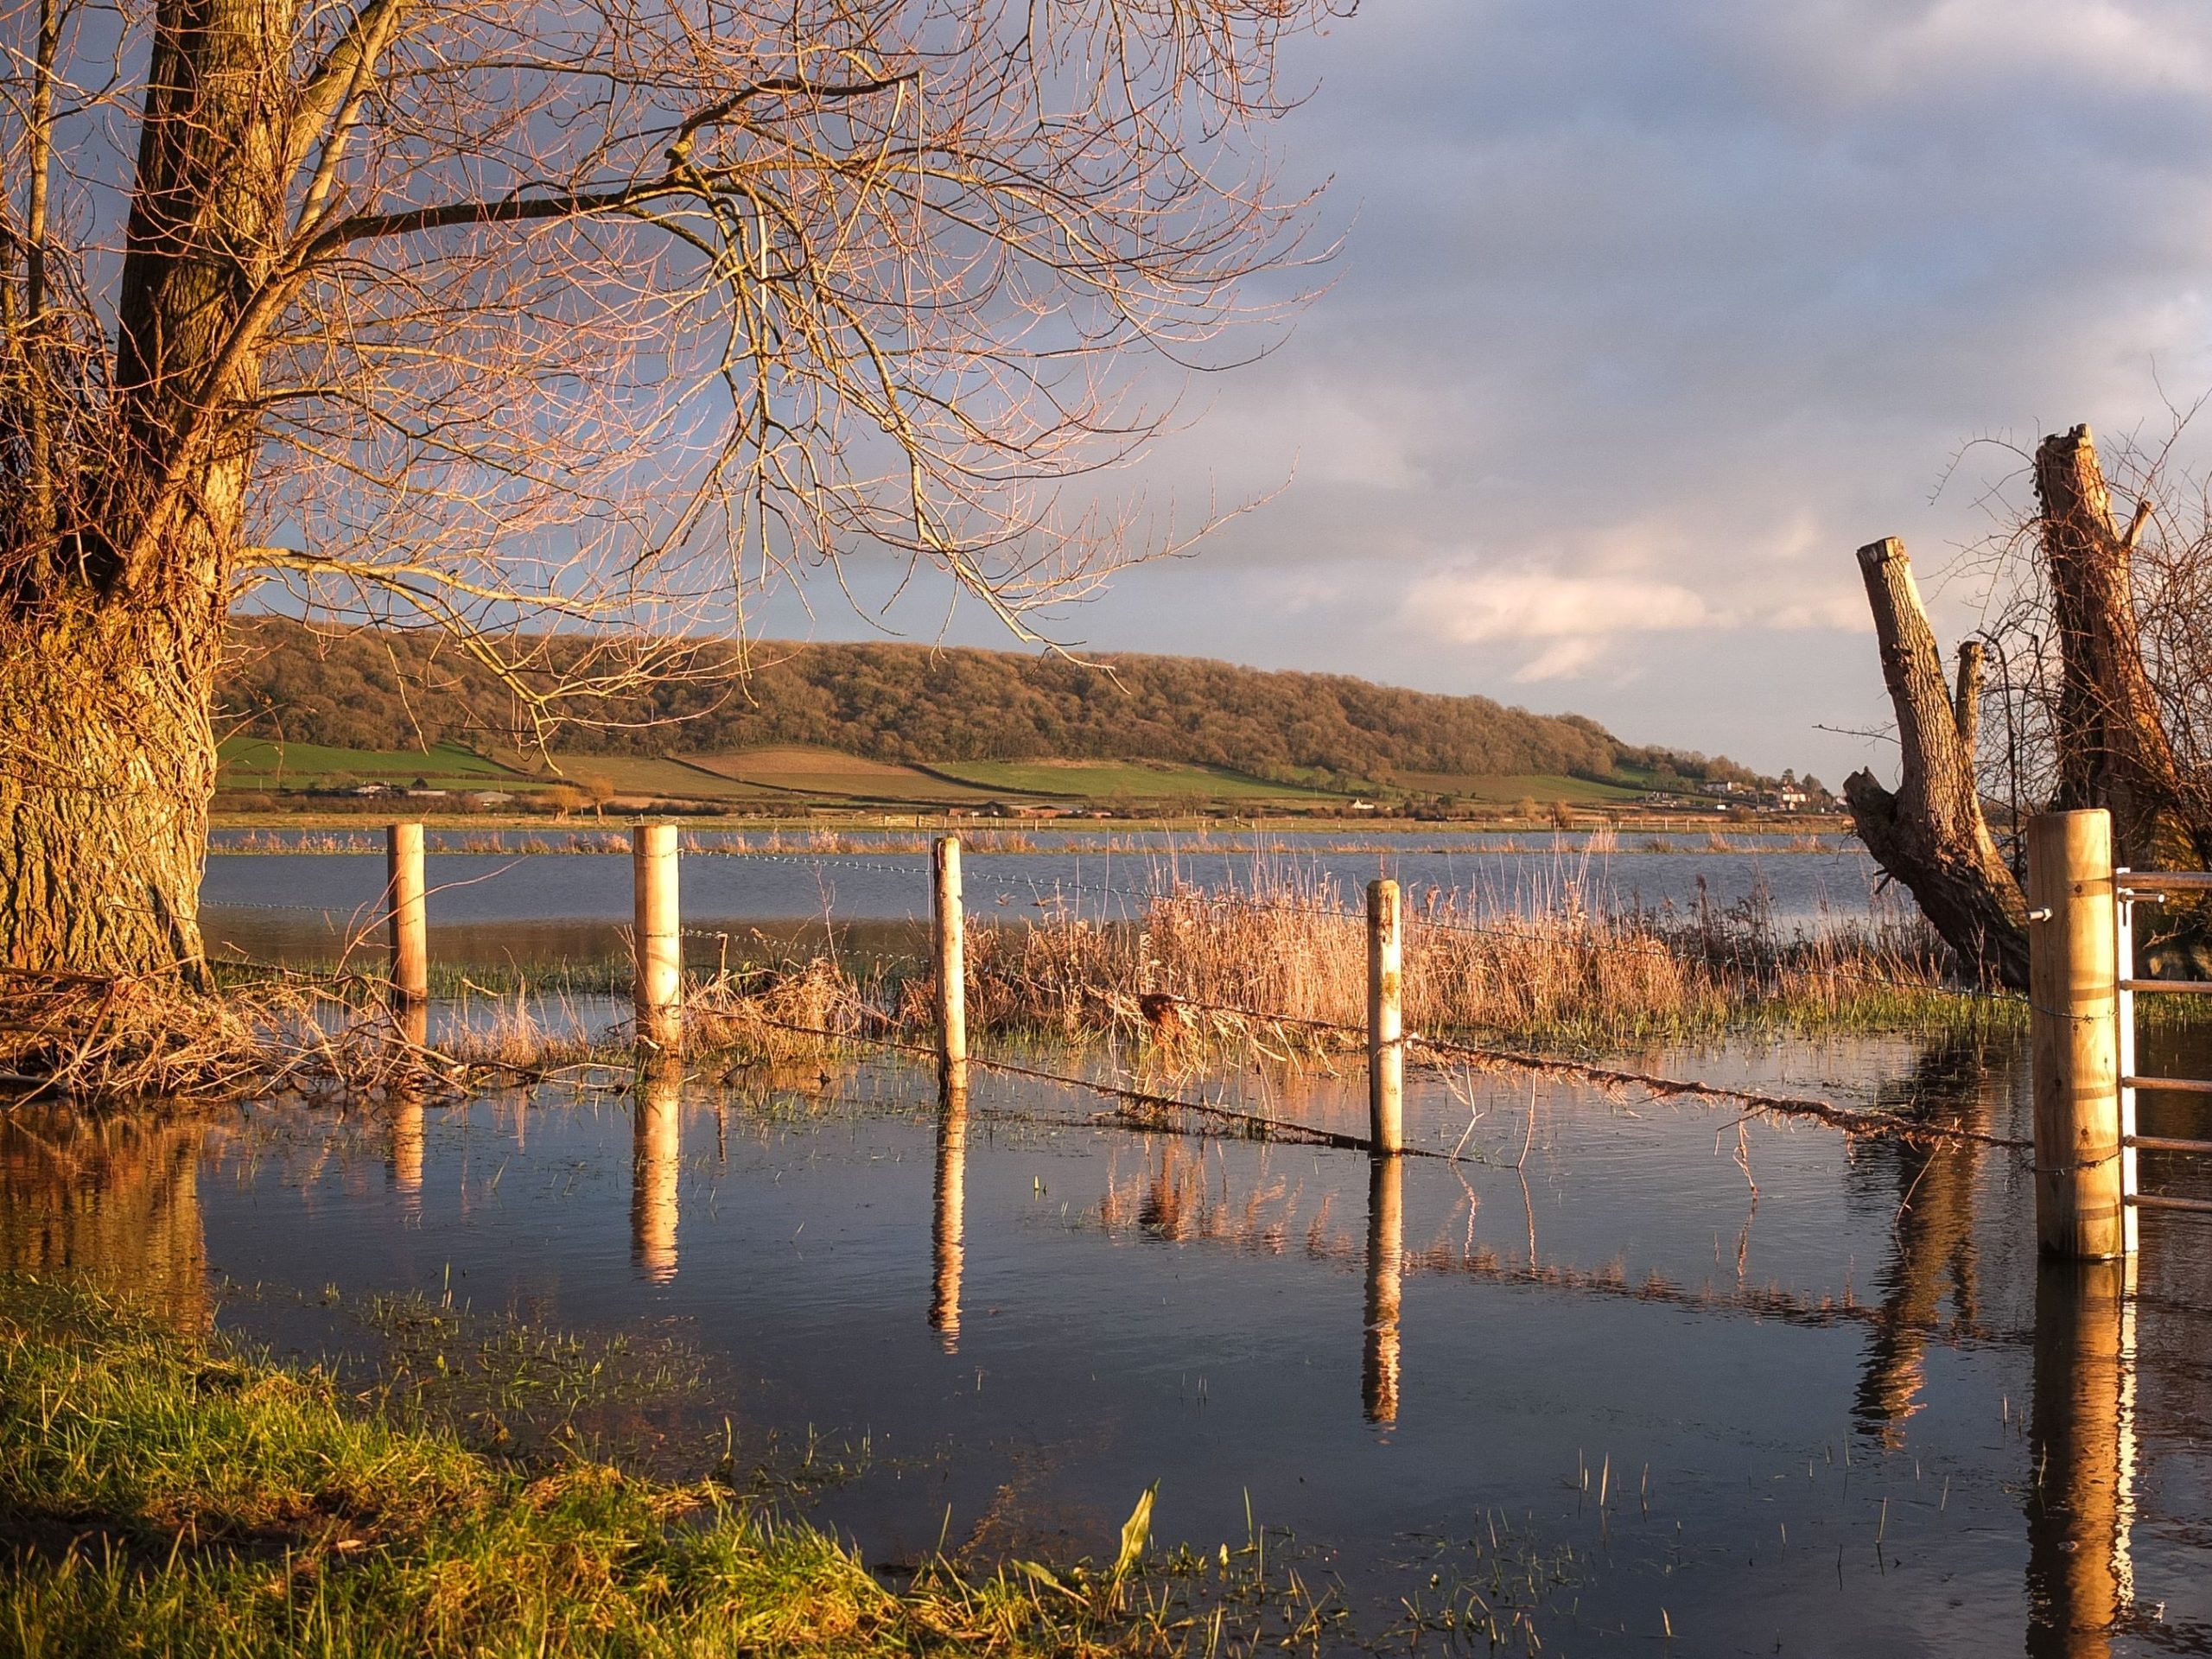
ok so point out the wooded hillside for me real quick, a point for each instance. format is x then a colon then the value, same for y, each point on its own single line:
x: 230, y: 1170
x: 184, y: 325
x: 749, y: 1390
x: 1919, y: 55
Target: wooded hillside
x: 389, y: 691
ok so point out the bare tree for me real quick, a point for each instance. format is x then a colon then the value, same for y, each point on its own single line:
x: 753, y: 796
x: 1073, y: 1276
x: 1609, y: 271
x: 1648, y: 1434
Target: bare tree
x: 2101, y: 636
x: 557, y: 319
x: 1930, y: 833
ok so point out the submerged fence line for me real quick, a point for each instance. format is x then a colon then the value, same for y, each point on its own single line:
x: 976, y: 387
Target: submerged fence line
x: 660, y: 1010
x: 1781, y: 964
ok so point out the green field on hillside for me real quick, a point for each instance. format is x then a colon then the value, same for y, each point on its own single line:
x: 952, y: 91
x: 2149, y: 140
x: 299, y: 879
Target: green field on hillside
x: 790, y: 774
x: 1099, y: 781
x: 259, y: 763
x: 652, y: 775
x: 1507, y: 787
x: 811, y: 771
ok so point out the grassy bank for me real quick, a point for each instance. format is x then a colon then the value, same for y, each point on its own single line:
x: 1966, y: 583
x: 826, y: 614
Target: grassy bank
x: 163, y: 1493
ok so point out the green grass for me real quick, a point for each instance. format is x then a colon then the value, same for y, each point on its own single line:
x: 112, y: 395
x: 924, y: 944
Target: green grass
x: 257, y: 762
x: 1507, y: 787
x: 1099, y: 780
x: 826, y: 773
x: 162, y: 1492
x: 794, y: 774
x: 633, y: 775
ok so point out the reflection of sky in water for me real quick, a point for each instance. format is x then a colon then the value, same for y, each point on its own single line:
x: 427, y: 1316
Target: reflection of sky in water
x: 1030, y: 1316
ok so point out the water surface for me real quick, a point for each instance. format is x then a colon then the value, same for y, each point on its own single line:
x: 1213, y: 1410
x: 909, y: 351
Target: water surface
x: 1626, y: 1368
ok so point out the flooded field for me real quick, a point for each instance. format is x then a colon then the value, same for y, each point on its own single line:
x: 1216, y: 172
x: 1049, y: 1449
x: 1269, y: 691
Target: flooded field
x: 302, y: 905
x: 1623, y: 1375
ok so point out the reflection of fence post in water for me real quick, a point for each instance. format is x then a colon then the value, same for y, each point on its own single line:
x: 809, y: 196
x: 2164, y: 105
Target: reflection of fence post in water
x: 407, y: 922
x: 951, y: 962
x: 656, y: 1159
x: 2073, y: 1027
x: 1386, y: 1049
x: 948, y: 1214
x: 2080, y: 1449
x: 660, y: 941
x: 1386, y: 1258
x: 407, y: 1135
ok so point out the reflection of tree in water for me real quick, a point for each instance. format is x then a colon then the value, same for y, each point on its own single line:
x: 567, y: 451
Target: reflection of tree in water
x: 115, y: 1198
x: 1957, y: 1082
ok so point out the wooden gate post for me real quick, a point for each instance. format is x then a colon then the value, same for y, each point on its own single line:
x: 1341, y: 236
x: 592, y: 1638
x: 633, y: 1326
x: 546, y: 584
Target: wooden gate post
x: 1386, y: 1048
x: 2073, y: 1029
x: 658, y: 943
x: 407, y: 918
x: 951, y: 962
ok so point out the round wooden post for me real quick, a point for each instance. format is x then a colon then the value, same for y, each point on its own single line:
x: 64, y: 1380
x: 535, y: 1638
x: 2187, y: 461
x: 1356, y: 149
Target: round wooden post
x: 406, y: 918
x: 951, y: 962
x: 659, y: 939
x: 2073, y: 1029
x: 1386, y: 1048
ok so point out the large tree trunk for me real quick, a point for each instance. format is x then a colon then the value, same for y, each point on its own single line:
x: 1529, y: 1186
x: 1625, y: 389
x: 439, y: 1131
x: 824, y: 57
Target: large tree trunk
x: 2113, y: 750
x: 108, y: 652
x: 1930, y: 834
x: 106, y: 764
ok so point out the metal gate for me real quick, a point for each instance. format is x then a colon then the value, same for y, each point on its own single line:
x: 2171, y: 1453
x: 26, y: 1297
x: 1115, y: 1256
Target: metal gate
x: 2130, y: 888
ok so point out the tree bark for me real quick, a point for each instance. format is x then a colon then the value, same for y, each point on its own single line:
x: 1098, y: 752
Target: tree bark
x: 107, y: 662
x: 2112, y: 748
x: 107, y: 761
x: 1967, y: 705
x: 1929, y: 833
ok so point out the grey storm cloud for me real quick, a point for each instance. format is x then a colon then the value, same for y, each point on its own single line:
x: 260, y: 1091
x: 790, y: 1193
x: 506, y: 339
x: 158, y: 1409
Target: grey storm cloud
x: 1647, y: 313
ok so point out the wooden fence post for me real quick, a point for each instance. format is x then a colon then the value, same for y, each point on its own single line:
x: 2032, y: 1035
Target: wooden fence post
x: 659, y: 939
x: 2074, y: 1031
x: 407, y: 918
x: 1386, y: 1048
x: 951, y: 962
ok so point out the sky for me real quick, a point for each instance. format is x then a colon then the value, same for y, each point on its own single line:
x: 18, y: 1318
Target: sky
x: 1647, y: 313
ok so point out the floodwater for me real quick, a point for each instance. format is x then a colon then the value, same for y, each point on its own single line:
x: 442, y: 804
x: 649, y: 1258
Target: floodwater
x: 1624, y: 1370
x: 493, y: 905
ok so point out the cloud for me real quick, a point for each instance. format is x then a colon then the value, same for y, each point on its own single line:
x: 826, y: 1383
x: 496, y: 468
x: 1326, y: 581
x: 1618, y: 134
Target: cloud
x: 1648, y: 315
x: 1476, y: 606
x: 1571, y: 621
